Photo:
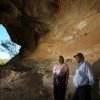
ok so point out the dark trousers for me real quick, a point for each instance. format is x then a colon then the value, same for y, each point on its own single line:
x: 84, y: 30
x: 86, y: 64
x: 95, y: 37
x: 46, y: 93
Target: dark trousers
x: 82, y: 93
x: 59, y: 92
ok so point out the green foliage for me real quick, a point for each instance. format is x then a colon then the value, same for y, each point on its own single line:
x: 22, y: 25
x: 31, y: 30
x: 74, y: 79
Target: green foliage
x: 2, y: 62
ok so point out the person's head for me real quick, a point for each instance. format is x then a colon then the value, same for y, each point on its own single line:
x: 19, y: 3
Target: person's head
x: 79, y: 57
x: 61, y: 59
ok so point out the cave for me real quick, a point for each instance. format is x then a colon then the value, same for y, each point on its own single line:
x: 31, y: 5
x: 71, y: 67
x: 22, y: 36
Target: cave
x: 46, y: 29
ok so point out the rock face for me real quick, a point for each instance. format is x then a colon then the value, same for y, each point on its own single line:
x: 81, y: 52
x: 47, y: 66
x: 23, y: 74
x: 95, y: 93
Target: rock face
x: 46, y: 29
x: 23, y: 86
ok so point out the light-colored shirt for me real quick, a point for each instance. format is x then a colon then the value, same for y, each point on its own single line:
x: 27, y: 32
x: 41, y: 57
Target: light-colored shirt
x: 60, y: 69
x: 83, y: 75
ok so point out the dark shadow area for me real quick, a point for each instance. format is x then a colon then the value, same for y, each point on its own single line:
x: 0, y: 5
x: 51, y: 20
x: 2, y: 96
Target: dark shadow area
x: 96, y: 88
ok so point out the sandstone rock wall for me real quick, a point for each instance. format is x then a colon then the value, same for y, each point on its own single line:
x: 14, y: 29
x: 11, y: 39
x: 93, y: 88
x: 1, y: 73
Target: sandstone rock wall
x: 46, y: 29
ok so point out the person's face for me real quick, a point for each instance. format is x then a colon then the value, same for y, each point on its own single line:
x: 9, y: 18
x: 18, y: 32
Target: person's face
x: 60, y: 60
x: 78, y: 59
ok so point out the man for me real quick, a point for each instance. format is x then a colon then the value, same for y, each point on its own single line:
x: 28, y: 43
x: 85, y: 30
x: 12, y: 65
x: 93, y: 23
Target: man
x: 83, y: 79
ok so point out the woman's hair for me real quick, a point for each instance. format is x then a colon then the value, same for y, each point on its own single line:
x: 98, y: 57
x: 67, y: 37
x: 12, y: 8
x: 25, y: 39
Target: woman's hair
x: 62, y: 58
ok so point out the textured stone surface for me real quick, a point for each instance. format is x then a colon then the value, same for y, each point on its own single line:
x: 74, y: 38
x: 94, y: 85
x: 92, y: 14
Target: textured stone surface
x: 53, y: 26
x: 46, y: 29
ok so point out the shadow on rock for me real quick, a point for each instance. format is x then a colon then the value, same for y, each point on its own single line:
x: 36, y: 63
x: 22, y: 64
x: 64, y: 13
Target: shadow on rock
x: 96, y: 88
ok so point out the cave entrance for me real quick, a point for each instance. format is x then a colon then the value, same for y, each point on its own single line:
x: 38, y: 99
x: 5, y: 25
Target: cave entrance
x: 8, y: 49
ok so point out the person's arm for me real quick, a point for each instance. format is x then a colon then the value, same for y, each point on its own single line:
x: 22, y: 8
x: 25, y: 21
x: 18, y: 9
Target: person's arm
x: 53, y: 69
x: 67, y: 75
x: 90, y: 75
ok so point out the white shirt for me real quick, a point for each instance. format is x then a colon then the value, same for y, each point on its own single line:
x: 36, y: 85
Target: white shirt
x: 60, y: 69
x: 83, y: 75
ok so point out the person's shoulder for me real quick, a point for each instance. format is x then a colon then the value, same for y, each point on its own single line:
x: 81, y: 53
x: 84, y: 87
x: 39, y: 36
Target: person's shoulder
x: 87, y: 63
x: 83, y: 64
x: 65, y: 65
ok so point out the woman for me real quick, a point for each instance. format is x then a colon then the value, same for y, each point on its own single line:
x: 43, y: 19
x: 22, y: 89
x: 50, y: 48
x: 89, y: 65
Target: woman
x: 60, y: 79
